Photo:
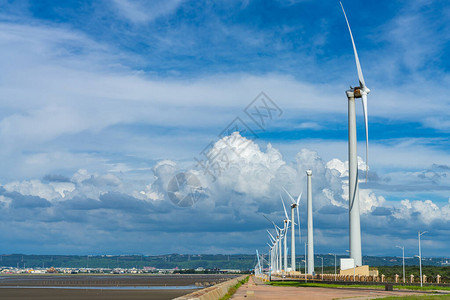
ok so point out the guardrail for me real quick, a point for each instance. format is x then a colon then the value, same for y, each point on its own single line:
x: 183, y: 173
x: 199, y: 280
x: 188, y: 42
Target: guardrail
x: 363, y: 280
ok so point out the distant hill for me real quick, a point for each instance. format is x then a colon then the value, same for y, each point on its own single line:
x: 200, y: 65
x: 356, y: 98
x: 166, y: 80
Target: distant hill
x: 183, y: 261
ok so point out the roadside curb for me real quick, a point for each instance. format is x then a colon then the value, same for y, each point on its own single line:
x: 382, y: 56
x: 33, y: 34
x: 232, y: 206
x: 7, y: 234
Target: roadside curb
x: 213, y: 292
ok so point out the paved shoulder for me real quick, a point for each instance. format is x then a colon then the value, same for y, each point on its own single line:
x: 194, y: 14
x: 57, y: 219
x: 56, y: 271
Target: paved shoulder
x: 256, y: 289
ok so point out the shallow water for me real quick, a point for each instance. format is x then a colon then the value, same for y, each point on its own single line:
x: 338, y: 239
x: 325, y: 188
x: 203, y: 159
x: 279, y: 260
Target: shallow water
x: 173, y: 287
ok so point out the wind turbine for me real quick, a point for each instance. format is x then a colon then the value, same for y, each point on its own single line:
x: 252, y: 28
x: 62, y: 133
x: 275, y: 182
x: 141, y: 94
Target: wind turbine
x: 294, y: 206
x: 278, y: 240
x: 285, y: 231
x: 280, y: 251
x: 274, y: 249
x: 310, y: 224
x: 360, y: 91
x: 270, y: 260
x: 259, y: 263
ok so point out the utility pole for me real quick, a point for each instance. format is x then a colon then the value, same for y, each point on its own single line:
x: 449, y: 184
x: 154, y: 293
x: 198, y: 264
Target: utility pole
x: 322, y: 268
x: 334, y: 265
x: 403, y: 258
x: 419, y: 234
x: 306, y: 275
x: 305, y: 258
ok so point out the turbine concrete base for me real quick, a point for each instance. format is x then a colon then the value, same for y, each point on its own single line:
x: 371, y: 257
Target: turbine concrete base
x: 361, y: 270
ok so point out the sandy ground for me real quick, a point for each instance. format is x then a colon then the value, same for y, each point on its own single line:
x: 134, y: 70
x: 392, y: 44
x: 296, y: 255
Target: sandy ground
x: 110, y: 280
x: 57, y: 294
x: 12, y: 286
x: 263, y: 291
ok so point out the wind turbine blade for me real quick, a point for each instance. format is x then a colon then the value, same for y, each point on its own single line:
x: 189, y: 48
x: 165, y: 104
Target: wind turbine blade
x: 298, y: 199
x: 299, y: 231
x: 271, y: 222
x: 364, y: 104
x: 270, y: 235
x: 290, y: 197
x: 284, y: 207
x: 267, y: 219
x: 358, y: 65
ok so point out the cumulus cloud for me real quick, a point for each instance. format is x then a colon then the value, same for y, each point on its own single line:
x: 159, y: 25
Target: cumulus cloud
x: 51, y: 191
x: 249, y: 183
x: 423, y: 210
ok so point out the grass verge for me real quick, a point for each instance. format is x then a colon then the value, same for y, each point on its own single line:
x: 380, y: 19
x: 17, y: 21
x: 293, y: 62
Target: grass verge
x: 424, y: 288
x: 416, y: 297
x: 302, y: 284
x: 234, y: 288
x: 406, y: 287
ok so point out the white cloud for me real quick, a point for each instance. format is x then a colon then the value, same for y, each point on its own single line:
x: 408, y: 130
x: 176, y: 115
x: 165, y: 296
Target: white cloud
x: 34, y: 187
x: 249, y: 184
x: 163, y: 171
x: 309, y: 125
x: 340, y: 166
x: 41, y: 109
x: 245, y: 168
x: 5, y: 201
x: 426, y: 211
x: 145, y: 11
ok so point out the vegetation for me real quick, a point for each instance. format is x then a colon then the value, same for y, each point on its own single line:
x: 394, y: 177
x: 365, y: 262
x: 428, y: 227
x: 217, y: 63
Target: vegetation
x: 432, y: 266
x: 234, y: 288
x: 425, y: 287
x: 313, y: 284
x: 430, y: 271
x: 418, y: 297
x: 170, y: 261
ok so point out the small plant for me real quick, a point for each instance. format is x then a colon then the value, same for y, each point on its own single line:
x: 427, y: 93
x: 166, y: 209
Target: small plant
x: 234, y: 288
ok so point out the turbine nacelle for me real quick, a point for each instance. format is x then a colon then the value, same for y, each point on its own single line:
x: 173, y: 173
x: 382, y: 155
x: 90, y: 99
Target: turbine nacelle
x: 358, y: 92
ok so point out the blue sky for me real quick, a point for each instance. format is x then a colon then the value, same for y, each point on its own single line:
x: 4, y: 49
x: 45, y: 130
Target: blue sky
x: 103, y: 102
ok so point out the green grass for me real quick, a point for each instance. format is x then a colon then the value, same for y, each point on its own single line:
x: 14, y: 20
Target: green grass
x: 234, y: 288
x: 417, y: 297
x: 406, y: 287
x: 426, y: 287
x: 302, y: 284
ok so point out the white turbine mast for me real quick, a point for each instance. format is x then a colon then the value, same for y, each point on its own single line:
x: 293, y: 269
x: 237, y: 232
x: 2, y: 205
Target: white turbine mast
x: 310, y: 223
x: 285, y: 231
x: 259, y: 262
x: 360, y: 91
x: 277, y: 243
x: 294, y: 205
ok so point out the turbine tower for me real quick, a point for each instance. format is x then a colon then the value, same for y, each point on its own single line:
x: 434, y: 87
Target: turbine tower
x: 310, y: 225
x: 279, y: 232
x: 285, y: 230
x: 360, y: 91
x: 280, y: 251
x: 272, y: 250
x: 294, y: 206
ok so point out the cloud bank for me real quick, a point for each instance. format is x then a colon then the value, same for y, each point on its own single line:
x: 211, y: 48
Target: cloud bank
x: 249, y: 185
